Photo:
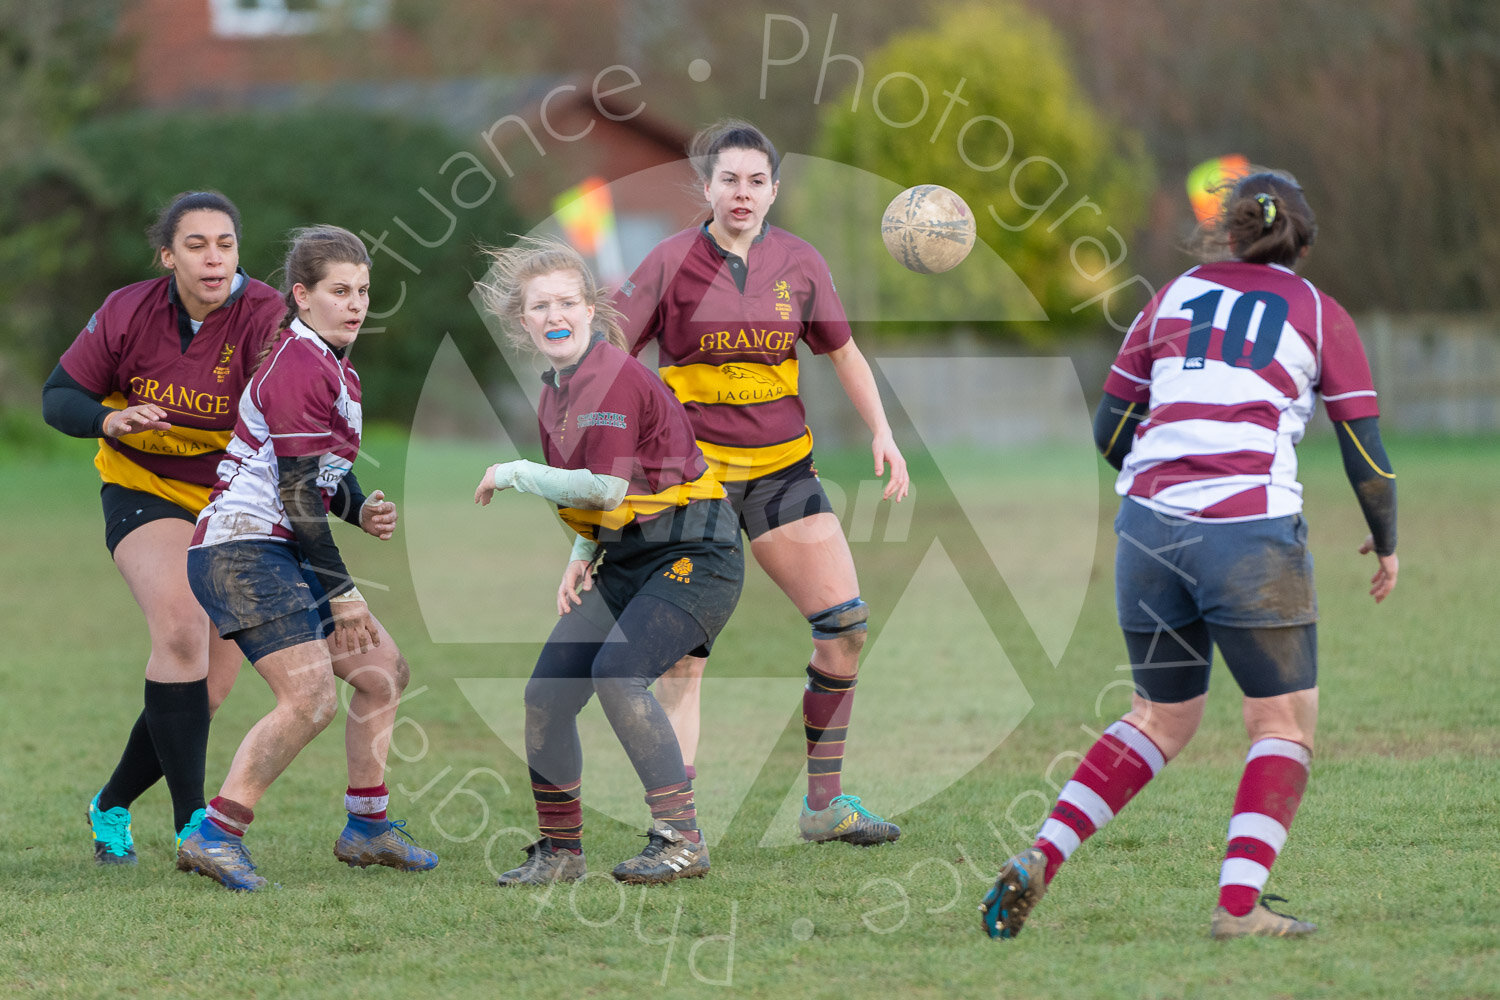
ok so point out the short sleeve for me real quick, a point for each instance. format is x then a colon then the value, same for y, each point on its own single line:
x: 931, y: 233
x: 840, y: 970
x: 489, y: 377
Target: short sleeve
x: 639, y: 301
x: 1130, y: 374
x: 827, y: 325
x: 296, y: 401
x: 94, y: 356
x: 1344, y: 378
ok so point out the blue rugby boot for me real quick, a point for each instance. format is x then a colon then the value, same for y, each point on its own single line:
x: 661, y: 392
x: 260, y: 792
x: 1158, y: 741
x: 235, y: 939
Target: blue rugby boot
x: 366, y: 842
x: 223, y: 859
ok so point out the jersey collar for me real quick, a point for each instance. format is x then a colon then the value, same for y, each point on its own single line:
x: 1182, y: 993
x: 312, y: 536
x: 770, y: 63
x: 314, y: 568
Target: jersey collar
x: 185, y: 329
x: 556, y: 378
x: 765, y: 227
x: 306, y: 332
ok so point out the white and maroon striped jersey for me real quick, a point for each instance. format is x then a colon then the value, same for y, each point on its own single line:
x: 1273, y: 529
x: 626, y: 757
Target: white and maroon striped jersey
x: 1226, y: 359
x: 304, y: 400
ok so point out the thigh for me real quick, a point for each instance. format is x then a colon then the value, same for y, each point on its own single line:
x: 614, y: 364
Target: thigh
x: 153, y: 560
x: 299, y: 673
x: 1268, y: 662
x: 810, y: 561
x: 782, y: 498
x: 568, y: 654
x: 656, y: 633
x: 1171, y: 665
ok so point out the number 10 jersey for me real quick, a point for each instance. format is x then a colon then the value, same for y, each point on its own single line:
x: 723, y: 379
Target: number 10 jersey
x: 1227, y: 360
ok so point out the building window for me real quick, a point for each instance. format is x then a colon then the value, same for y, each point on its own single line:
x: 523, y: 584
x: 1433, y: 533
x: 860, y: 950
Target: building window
x: 259, y: 18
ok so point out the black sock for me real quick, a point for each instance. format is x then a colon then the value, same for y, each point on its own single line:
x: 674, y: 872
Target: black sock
x: 137, y: 770
x: 178, y: 717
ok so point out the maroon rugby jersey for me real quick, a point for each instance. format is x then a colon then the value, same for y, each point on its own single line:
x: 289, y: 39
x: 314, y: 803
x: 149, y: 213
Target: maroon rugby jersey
x: 608, y: 414
x: 731, y: 356
x: 130, y: 352
x: 304, y: 400
x: 1228, y: 360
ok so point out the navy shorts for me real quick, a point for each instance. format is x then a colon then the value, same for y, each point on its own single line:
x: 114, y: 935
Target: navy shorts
x: 126, y: 509
x: 781, y: 497
x: 1170, y: 571
x: 260, y: 594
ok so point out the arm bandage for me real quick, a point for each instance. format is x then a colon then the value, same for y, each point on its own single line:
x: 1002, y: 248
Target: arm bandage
x: 569, y: 487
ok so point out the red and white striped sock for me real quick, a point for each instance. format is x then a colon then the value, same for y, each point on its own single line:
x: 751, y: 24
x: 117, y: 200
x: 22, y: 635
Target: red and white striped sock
x: 229, y: 816
x: 1270, y: 791
x: 367, y: 803
x: 1116, y: 767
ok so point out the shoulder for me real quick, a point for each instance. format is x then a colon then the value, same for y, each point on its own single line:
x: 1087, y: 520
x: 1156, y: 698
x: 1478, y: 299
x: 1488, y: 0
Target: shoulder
x: 130, y: 298
x: 607, y: 361
x: 674, y: 247
x: 1332, y: 309
x: 295, y: 358
x: 259, y: 293
x: 668, y: 255
x: 616, y: 374
x: 791, y: 252
x: 792, y: 245
x: 259, y: 303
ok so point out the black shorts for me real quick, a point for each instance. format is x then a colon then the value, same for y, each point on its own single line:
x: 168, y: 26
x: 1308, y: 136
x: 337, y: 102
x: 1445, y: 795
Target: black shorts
x: 690, y: 557
x: 127, y: 509
x: 781, y: 497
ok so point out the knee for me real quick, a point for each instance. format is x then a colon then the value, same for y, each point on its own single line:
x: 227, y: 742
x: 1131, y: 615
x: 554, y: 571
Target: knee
x: 1292, y: 716
x: 538, y: 691
x: 182, y: 640
x: 549, y: 696
x: 840, y: 631
x: 1169, y: 725
x: 315, y: 706
x: 401, y: 675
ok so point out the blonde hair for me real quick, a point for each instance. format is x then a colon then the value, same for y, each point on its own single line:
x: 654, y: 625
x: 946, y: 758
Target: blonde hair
x: 512, y: 268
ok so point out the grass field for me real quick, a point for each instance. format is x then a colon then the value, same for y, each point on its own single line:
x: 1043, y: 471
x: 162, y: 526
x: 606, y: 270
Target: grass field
x: 964, y: 728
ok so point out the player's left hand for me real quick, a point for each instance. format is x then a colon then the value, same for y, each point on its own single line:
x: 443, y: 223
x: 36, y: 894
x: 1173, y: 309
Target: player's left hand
x: 354, y: 627
x: 378, y: 516
x: 885, y: 451
x: 1384, y: 580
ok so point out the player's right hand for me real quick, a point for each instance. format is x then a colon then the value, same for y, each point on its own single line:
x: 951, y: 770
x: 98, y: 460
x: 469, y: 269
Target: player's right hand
x: 134, y: 419
x: 576, y: 579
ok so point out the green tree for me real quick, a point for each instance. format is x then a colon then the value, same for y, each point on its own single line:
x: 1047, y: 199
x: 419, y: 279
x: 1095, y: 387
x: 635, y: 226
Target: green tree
x: 353, y: 169
x: 984, y: 102
x: 1386, y: 112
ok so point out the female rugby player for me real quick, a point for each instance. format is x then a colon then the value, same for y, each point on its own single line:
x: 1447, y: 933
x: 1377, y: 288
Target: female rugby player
x: 156, y: 376
x: 1202, y: 410
x: 727, y: 302
x: 265, y: 567
x: 656, y: 561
